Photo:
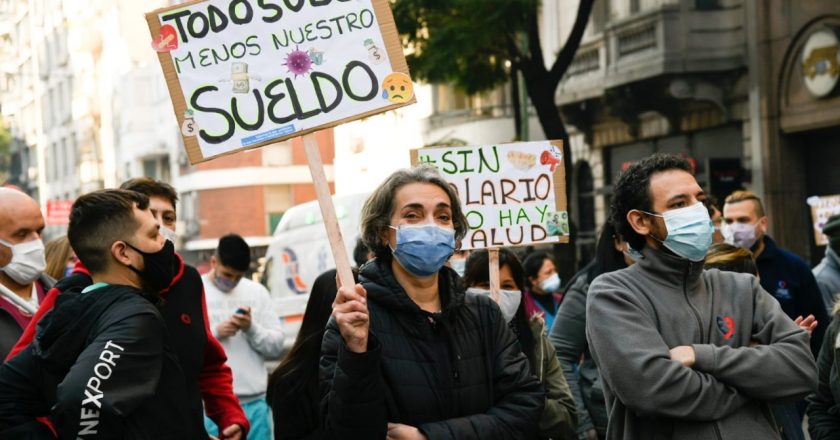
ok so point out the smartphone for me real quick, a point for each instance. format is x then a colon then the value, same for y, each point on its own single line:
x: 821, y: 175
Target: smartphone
x: 241, y: 311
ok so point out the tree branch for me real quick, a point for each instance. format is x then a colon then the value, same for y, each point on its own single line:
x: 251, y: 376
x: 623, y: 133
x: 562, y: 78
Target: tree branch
x: 513, y: 50
x: 534, y: 44
x: 567, y: 54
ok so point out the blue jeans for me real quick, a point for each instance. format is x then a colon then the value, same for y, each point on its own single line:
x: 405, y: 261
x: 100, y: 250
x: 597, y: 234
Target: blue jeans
x: 259, y: 416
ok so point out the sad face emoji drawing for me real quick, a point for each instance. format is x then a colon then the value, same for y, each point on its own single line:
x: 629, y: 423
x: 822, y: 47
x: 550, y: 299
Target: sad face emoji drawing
x: 397, y: 88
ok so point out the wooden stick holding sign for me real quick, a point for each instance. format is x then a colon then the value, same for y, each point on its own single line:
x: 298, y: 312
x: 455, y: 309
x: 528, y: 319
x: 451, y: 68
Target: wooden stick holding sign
x: 493, y: 258
x: 322, y: 191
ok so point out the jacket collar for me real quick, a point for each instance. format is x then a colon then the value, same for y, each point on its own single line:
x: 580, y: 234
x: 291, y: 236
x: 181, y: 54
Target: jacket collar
x: 670, y: 269
x: 382, y: 287
x: 770, y: 249
x: 831, y: 258
x: 179, y: 271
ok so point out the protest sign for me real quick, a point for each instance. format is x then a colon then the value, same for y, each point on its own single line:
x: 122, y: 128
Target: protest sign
x: 822, y: 208
x: 247, y: 73
x: 58, y: 211
x: 511, y: 194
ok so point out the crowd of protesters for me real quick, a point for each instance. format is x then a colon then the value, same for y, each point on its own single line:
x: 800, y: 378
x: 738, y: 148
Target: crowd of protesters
x: 690, y: 322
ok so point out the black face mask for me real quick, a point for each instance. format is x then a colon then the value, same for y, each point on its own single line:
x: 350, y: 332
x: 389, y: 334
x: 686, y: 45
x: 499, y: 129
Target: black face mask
x: 159, y: 267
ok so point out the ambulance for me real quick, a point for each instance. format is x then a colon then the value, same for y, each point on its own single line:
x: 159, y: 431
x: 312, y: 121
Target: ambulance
x: 299, y: 251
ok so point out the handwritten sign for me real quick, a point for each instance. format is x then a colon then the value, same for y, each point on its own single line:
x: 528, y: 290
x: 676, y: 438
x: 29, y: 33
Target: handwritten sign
x: 821, y: 209
x: 246, y: 73
x: 512, y: 194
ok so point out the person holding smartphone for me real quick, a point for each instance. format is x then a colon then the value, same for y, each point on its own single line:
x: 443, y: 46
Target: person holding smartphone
x: 241, y: 318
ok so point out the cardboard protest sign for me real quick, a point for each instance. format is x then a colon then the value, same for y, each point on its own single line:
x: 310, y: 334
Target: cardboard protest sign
x: 247, y: 73
x: 512, y: 194
x: 821, y: 209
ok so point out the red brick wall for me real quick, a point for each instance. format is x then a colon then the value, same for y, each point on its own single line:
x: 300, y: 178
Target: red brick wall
x: 305, y: 192
x: 325, y: 143
x: 240, y: 210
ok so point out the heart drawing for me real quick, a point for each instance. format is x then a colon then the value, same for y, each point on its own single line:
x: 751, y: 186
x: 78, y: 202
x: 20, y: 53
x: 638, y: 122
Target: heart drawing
x: 167, y: 40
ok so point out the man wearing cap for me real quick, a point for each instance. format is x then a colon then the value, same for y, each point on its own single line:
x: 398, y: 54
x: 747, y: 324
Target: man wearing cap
x: 827, y: 272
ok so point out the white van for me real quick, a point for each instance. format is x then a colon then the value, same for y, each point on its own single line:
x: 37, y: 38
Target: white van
x: 299, y: 251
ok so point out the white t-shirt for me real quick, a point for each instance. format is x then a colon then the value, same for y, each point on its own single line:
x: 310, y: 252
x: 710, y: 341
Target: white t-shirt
x: 246, y: 350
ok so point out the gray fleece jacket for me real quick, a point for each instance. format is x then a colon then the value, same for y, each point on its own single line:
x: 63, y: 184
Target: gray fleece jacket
x: 636, y: 315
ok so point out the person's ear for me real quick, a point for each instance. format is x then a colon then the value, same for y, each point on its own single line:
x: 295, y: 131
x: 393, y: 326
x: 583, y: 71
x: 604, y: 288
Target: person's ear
x: 385, y: 237
x: 118, y: 251
x: 639, y: 221
x: 762, y: 224
x: 213, y: 261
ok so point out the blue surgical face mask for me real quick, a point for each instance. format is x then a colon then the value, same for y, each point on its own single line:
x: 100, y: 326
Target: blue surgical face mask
x: 633, y: 254
x: 224, y: 284
x: 423, y: 249
x: 689, y: 231
x: 551, y: 284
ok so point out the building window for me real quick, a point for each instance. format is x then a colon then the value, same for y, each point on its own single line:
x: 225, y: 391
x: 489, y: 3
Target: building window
x: 707, y: 5
x: 157, y: 168
x: 273, y: 220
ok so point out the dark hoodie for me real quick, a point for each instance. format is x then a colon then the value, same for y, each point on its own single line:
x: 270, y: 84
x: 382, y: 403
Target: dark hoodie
x: 455, y: 374
x: 99, y: 368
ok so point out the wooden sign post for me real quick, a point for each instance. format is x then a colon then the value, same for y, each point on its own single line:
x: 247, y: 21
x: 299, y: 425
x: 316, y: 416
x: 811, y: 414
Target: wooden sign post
x: 322, y: 191
x: 493, y: 258
x: 244, y: 74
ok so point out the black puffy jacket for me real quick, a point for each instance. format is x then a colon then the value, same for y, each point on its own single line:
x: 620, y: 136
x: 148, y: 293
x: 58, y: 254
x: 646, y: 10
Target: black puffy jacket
x: 458, y: 374
x: 100, y: 368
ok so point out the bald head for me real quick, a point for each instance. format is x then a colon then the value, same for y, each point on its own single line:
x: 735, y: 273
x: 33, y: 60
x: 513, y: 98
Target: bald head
x: 20, y: 217
x: 13, y: 195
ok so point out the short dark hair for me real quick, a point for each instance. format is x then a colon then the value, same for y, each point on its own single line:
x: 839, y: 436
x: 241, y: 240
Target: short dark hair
x: 151, y: 188
x: 100, y: 218
x: 743, y: 196
x: 376, y: 213
x: 632, y: 191
x: 532, y: 264
x: 234, y: 252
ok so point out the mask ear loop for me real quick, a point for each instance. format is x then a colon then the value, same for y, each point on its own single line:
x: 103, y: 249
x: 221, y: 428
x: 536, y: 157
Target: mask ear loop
x: 651, y: 233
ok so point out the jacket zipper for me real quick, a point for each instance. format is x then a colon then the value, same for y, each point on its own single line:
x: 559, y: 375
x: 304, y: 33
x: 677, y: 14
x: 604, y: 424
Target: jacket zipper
x: 691, y: 306
x: 700, y: 327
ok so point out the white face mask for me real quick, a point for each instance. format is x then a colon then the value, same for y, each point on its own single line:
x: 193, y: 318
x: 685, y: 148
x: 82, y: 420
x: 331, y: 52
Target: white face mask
x: 168, y: 234
x: 508, y: 300
x: 458, y: 266
x: 551, y: 284
x: 739, y: 234
x: 27, y: 263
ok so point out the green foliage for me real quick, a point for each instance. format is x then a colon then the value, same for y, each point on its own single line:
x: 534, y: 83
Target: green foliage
x: 462, y: 42
x: 5, y: 148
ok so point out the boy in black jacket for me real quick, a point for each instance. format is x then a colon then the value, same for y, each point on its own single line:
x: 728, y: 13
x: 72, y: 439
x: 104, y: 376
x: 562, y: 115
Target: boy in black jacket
x: 100, y: 366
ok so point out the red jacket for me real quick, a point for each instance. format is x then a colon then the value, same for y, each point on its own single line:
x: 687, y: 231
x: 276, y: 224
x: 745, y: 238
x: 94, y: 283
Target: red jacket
x: 215, y: 380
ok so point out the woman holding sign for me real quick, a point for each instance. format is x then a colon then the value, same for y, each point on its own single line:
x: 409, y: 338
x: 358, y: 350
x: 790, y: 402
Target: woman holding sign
x: 559, y: 418
x: 408, y: 354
